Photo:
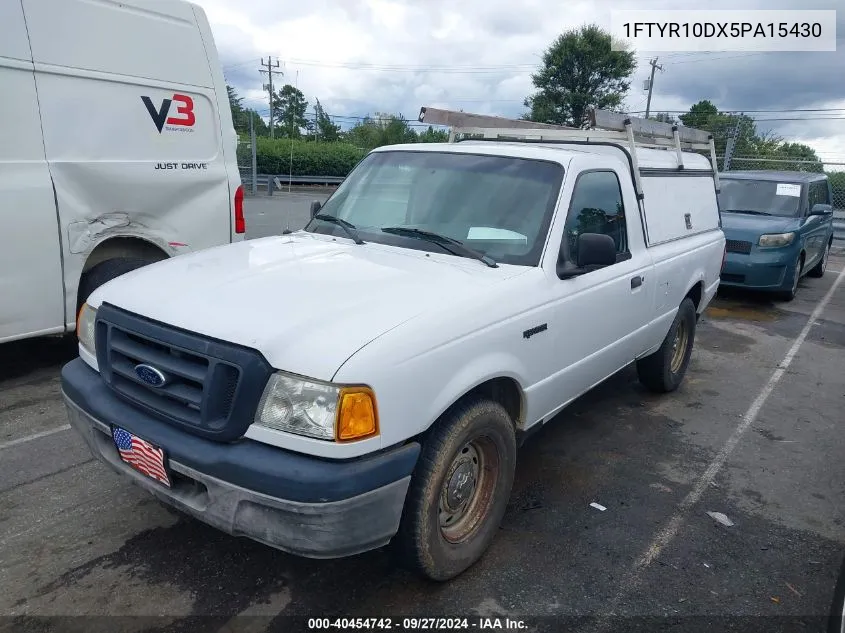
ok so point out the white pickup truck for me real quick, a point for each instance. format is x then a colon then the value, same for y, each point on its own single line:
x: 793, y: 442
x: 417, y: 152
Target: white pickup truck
x: 367, y: 379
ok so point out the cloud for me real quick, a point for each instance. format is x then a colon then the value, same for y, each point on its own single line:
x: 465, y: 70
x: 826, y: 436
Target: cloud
x: 364, y: 56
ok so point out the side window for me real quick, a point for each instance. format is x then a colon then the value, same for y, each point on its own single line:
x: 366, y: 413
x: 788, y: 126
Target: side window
x: 818, y: 194
x: 596, y: 208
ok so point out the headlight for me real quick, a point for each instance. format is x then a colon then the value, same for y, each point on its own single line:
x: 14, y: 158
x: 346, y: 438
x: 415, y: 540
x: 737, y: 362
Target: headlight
x: 317, y: 409
x: 85, y: 328
x: 776, y: 239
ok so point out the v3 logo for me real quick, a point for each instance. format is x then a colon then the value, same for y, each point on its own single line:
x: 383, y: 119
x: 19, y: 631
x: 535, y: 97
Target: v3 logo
x: 185, y: 111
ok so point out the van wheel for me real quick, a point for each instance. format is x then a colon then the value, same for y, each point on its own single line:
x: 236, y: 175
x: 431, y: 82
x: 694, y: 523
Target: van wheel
x: 664, y: 370
x: 818, y: 269
x: 459, y: 490
x: 103, y: 272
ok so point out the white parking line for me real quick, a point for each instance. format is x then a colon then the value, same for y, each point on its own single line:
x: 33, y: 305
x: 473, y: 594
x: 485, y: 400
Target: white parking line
x: 667, y: 534
x: 34, y: 436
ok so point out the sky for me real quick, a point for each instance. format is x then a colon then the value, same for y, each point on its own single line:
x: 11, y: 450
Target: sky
x: 359, y: 57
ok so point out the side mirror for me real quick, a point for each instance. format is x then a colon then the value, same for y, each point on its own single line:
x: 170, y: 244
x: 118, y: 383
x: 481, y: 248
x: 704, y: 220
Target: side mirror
x: 315, y: 207
x: 821, y: 209
x: 594, y: 250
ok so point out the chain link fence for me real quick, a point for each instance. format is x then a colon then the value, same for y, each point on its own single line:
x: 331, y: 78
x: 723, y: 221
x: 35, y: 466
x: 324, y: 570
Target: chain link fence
x: 835, y: 173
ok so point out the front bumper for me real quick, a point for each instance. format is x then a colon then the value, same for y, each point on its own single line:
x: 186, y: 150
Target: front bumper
x: 290, y: 513
x: 759, y: 269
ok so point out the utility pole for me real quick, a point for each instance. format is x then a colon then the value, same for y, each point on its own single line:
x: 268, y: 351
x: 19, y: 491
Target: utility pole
x: 731, y: 145
x: 654, y: 67
x: 269, y: 86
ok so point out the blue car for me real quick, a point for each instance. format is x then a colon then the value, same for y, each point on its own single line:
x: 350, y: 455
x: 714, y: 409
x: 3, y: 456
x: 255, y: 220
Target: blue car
x: 778, y: 226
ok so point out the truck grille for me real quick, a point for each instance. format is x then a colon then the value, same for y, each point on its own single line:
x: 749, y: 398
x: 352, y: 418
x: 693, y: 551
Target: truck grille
x: 211, y: 388
x: 738, y: 246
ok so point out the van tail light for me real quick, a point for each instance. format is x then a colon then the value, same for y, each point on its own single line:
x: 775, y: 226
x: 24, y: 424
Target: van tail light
x: 240, y: 222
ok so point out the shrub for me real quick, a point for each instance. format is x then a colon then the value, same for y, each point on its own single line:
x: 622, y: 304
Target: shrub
x: 273, y: 156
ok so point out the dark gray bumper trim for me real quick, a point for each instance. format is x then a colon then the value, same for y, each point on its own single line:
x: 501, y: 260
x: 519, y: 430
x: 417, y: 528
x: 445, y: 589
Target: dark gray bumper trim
x: 314, y: 530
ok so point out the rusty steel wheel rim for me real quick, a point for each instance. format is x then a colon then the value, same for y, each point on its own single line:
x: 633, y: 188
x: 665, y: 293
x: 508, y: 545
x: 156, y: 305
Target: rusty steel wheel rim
x: 467, y: 490
x: 679, y: 347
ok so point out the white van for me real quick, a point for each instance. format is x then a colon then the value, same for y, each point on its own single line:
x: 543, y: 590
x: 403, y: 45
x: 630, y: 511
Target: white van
x: 117, y: 149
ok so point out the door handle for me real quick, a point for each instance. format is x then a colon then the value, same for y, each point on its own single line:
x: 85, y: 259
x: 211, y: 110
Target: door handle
x: 637, y: 281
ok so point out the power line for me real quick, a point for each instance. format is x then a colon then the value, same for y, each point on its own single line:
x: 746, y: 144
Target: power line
x: 239, y: 64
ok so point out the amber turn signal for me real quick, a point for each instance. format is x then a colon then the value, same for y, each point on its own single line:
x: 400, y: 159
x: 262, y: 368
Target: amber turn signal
x: 358, y: 415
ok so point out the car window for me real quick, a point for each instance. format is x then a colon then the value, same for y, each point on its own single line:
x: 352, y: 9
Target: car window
x: 596, y: 208
x: 770, y: 197
x: 818, y: 194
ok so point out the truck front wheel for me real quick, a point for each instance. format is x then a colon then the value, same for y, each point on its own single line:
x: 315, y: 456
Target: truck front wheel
x: 664, y: 370
x: 459, y: 490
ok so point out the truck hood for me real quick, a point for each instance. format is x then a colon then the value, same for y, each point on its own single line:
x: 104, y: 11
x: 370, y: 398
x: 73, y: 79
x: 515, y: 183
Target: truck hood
x: 306, y: 302
x: 741, y: 226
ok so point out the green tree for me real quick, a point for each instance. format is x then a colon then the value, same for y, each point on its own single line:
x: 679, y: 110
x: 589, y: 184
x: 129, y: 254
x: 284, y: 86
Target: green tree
x: 324, y: 126
x: 580, y: 71
x: 433, y: 136
x: 289, y: 107
x: 240, y: 118
x: 241, y: 115
x: 381, y: 129
x: 699, y: 115
x: 663, y: 117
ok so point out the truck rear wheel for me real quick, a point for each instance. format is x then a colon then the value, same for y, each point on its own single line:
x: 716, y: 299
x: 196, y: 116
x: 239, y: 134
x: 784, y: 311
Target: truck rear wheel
x: 459, y: 490
x: 664, y: 370
x: 105, y: 271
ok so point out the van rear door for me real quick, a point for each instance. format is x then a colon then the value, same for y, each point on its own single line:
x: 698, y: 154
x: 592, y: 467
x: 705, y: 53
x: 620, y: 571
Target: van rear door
x: 31, y: 298
x: 132, y: 127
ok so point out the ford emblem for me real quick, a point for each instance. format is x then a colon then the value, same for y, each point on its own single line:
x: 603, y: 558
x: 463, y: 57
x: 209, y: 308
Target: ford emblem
x: 150, y: 375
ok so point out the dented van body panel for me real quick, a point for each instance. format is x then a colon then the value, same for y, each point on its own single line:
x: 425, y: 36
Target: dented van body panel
x: 137, y: 146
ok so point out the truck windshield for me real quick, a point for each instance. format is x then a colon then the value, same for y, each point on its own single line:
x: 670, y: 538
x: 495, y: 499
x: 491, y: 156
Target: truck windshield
x: 759, y: 197
x: 499, y: 206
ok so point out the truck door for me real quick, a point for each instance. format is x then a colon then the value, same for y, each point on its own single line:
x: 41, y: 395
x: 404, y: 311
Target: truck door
x: 31, y: 291
x: 599, y: 317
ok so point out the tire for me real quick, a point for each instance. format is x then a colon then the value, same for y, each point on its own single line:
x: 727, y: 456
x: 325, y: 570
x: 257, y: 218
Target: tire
x: 436, y: 538
x: 103, y: 272
x: 664, y: 370
x: 789, y: 295
x: 819, y: 269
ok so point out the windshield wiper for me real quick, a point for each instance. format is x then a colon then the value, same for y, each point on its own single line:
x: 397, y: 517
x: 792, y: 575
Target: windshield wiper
x: 346, y: 226
x: 748, y: 211
x: 450, y: 244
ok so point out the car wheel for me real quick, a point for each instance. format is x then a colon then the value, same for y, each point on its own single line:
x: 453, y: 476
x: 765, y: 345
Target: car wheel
x: 459, y: 490
x: 818, y: 269
x: 664, y: 370
x: 789, y: 295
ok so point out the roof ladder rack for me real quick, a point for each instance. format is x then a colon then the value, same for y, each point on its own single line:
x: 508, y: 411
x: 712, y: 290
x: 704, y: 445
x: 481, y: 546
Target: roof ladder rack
x: 604, y: 126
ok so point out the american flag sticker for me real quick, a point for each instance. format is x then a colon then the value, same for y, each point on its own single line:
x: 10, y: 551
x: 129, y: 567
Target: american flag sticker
x: 141, y: 455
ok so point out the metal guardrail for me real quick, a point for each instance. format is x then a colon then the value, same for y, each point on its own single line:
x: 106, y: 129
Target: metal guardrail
x: 266, y: 183
x: 839, y: 225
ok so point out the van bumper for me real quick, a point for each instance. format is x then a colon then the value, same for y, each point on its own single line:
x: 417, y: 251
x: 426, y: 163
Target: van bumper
x: 302, y: 507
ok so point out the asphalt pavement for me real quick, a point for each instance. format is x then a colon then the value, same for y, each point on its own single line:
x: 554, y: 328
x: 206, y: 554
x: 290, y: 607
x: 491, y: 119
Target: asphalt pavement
x: 754, y: 433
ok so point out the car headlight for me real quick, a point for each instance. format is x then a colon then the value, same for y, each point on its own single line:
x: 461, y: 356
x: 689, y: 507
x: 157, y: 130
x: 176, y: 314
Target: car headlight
x: 776, y: 239
x: 317, y: 409
x: 85, y: 332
